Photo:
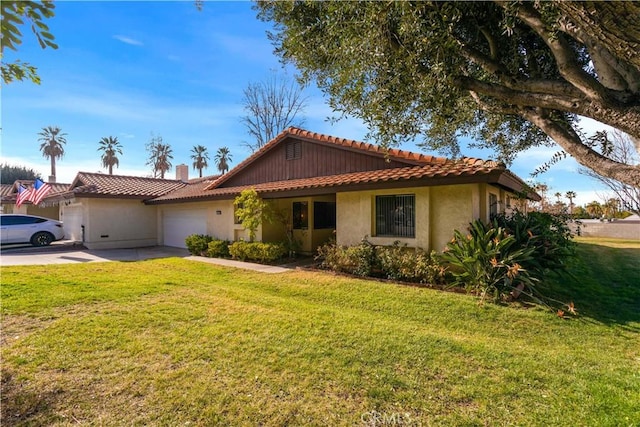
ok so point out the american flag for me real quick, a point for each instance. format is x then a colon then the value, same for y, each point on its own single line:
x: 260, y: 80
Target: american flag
x: 23, y: 195
x: 39, y: 191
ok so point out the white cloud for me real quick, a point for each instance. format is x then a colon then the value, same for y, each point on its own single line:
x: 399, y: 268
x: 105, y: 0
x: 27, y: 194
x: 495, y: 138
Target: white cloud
x: 590, y: 126
x: 128, y: 40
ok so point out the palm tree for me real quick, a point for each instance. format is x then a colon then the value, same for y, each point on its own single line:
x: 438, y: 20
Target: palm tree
x: 110, y: 147
x: 570, y: 195
x: 223, y: 158
x: 160, y: 156
x: 200, y: 158
x: 52, y: 146
x: 558, y: 196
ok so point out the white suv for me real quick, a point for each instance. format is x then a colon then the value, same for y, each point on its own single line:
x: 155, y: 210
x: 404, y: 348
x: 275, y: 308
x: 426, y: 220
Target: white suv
x: 36, y: 230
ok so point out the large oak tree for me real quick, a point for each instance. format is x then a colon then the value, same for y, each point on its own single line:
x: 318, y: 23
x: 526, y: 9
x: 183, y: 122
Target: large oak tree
x: 510, y: 75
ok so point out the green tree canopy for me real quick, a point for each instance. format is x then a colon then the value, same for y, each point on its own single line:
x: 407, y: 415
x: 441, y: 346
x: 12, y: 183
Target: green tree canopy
x: 14, y: 15
x: 251, y: 210
x: 511, y: 75
x: 9, y: 174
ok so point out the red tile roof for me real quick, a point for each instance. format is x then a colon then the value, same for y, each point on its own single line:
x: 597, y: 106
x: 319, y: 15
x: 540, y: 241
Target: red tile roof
x: 6, y: 190
x: 192, y: 192
x: 407, y: 157
x: 419, y: 167
x: 472, y: 168
x: 9, y: 191
x: 100, y: 185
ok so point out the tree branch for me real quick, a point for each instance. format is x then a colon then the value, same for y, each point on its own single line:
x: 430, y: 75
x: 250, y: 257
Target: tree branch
x: 569, y: 140
x: 564, y: 55
x: 520, y: 83
x: 623, y: 118
x: 610, y: 69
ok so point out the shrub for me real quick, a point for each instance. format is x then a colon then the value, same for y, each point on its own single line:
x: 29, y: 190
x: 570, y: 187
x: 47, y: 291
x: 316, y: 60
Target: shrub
x: 218, y: 249
x: 197, y: 244
x: 411, y: 265
x: 549, y: 235
x: 359, y: 260
x: 489, y: 261
x: 257, y: 251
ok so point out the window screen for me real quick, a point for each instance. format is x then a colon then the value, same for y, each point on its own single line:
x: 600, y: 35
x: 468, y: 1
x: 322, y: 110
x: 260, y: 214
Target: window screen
x: 395, y: 215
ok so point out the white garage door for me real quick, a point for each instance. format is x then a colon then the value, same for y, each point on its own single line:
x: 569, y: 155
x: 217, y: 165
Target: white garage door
x: 72, y: 221
x: 177, y: 225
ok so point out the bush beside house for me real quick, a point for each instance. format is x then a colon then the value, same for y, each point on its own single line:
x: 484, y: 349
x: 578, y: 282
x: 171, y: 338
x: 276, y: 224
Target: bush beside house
x: 501, y: 260
x: 203, y: 245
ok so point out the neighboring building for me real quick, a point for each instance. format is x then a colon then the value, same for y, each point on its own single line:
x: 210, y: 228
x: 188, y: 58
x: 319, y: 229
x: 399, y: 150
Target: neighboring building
x: 48, y: 208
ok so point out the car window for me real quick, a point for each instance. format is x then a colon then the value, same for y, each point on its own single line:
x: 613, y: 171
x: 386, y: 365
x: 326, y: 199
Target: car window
x: 20, y: 220
x: 7, y: 219
x: 24, y: 220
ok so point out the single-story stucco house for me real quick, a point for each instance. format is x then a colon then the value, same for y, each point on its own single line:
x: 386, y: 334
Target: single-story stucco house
x: 327, y: 186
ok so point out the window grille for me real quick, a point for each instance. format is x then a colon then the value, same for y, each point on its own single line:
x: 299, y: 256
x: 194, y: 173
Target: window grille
x: 395, y: 215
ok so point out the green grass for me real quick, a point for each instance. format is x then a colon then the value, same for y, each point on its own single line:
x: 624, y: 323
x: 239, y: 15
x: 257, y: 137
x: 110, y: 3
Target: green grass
x: 176, y: 342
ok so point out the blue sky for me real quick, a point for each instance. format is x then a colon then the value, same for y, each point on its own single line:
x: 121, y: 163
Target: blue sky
x: 133, y: 69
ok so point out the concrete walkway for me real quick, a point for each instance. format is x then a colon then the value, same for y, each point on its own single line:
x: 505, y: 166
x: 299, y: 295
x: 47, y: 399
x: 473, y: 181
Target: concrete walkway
x: 240, y: 264
x: 69, y: 254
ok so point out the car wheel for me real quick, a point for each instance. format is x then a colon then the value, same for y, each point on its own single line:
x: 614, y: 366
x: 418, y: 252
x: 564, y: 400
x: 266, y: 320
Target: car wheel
x: 42, y: 238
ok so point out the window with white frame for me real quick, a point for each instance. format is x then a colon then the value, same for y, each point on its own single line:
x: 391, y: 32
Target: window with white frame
x: 395, y: 215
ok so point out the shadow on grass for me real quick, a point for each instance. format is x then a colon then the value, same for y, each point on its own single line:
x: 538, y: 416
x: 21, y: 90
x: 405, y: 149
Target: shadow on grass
x: 604, y: 284
x: 21, y: 406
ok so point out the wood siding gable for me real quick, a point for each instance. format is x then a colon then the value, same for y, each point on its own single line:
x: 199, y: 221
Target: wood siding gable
x: 297, y: 158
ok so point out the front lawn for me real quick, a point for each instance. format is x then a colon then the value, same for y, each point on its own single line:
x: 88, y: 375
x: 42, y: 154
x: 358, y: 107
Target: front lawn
x: 176, y: 342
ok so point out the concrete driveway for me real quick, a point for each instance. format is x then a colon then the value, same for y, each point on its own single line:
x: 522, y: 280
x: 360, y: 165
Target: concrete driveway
x: 70, y: 253
x: 67, y: 253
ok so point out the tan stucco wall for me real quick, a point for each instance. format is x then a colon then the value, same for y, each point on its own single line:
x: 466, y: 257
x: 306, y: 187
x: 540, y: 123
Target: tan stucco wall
x: 439, y: 210
x: 354, y: 217
x: 453, y: 208
x: 112, y: 223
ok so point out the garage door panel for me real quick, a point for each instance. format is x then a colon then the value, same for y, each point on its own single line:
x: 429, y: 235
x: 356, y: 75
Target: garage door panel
x: 177, y: 225
x: 72, y: 223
